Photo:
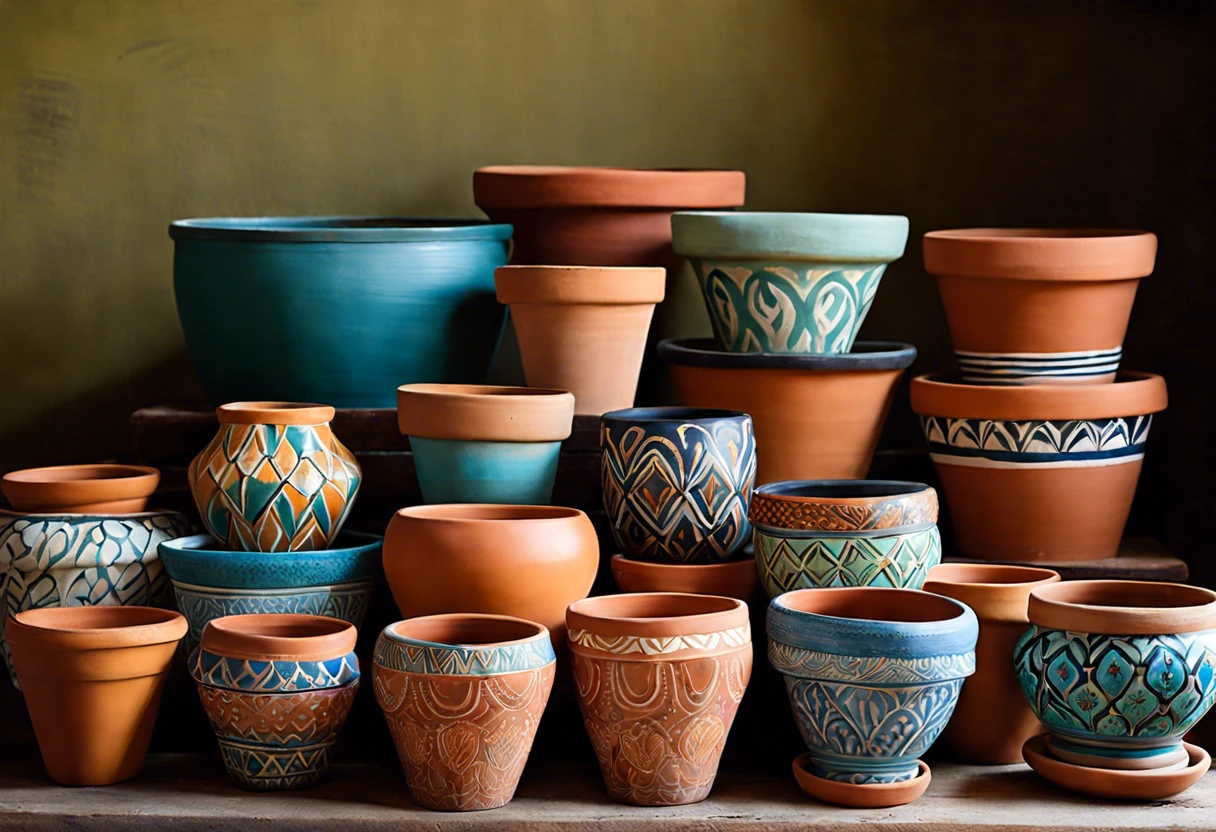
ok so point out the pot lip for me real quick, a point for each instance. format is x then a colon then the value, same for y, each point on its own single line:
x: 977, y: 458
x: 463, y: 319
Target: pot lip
x: 586, y: 285
x: 55, y: 488
x: 710, y: 613
x: 76, y: 516
x: 673, y: 415
x: 1062, y: 606
x: 865, y: 356
x: 278, y: 636
x: 836, y: 492
x: 274, y: 413
x: 1041, y: 254
x: 980, y: 576
x: 96, y: 628
x: 802, y: 236
x: 530, y: 631
x: 791, y: 604
x: 206, y: 544
x: 1131, y: 394
x: 488, y: 513
x: 338, y: 229
x: 485, y: 412
x: 735, y: 564
x: 558, y: 186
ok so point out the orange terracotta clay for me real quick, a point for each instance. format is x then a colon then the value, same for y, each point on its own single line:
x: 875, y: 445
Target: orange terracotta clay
x: 483, y: 412
x: 93, y: 678
x: 733, y: 579
x: 81, y: 489
x: 659, y: 677
x: 1116, y: 784
x: 859, y: 795
x: 1123, y: 608
x: 991, y: 721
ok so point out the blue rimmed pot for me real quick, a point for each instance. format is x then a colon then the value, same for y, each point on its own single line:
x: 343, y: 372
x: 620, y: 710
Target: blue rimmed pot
x: 821, y: 533
x: 873, y: 675
x: 277, y: 689
x: 211, y: 582
x: 1119, y: 671
x: 788, y: 283
x: 337, y: 309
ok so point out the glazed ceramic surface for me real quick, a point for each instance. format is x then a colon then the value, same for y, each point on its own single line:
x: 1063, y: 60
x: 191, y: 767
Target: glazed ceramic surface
x: 677, y: 482
x: 788, y: 283
x: 337, y: 309
x: 274, y: 478
x: 873, y: 675
x: 81, y: 489
x: 463, y: 695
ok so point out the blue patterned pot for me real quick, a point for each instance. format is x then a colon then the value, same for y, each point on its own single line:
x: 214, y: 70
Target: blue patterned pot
x: 337, y: 309
x: 873, y: 675
x: 677, y: 481
x: 781, y: 283
x: 1119, y: 671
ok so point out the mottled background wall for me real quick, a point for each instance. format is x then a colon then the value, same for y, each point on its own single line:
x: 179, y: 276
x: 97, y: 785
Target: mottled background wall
x: 117, y: 117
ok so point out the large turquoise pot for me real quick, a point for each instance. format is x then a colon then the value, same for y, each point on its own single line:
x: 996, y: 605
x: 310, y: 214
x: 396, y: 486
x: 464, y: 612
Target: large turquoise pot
x: 338, y: 310
x: 788, y: 283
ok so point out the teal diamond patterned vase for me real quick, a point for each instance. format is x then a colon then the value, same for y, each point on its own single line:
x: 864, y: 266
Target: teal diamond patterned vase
x: 1119, y: 671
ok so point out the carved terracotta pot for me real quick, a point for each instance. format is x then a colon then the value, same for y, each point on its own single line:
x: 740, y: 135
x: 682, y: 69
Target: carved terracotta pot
x: 81, y: 489
x: 463, y: 695
x: 659, y: 677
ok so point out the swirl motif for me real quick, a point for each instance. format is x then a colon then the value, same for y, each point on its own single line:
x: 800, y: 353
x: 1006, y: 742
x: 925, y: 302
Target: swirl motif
x: 896, y: 560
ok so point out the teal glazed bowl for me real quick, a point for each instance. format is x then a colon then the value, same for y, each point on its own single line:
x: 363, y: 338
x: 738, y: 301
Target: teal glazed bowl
x: 339, y: 310
x: 788, y: 283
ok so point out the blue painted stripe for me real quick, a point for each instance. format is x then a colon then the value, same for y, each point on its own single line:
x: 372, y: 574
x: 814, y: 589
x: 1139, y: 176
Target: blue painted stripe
x: 1017, y: 456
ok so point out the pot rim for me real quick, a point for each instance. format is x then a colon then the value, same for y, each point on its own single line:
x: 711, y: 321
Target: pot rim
x: 879, y: 491
x: 588, y: 285
x: 278, y: 637
x: 488, y: 513
x: 79, y: 516
x: 338, y: 229
x: 643, y: 614
x: 516, y: 631
x: 675, y: 414
x: 95, y: 628
x: 865, y: 356
x: 1130, y: 394
x: 1139, y: 608
x: 1020, y: 577
x: 484, y: 412
x: 274, y: 413
x: 1041, y: 254
x: 192, y: 555
x: 810, y: 237
x: 566, y: 186
x: 57, y: 487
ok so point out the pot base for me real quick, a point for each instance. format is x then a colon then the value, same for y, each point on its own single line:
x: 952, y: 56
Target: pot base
x: 857, y: 795
x: 732, y: 579
x: 1154, y: 784
x: 1166, y: 759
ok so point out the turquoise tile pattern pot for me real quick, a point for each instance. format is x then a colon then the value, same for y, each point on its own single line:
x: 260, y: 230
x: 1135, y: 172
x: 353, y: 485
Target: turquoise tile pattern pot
x: 470, y: 471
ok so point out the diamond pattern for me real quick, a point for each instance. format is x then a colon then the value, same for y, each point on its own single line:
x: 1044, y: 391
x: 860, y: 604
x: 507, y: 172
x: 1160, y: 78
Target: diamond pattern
x: 898, y: 560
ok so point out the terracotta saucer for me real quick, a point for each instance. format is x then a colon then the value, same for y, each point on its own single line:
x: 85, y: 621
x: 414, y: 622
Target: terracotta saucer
x: 1175, y: 760
x: 1114, y: 783
x: 857, y: 795
x: 732, y: 579
x: 81, y: 489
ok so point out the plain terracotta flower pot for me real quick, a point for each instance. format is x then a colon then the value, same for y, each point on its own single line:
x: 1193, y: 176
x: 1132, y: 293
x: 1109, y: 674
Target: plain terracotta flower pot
x: 1038, y: 472
x: 1038, y: 305
x: 815, y: 416
x: 992, y: 721
x: 582, y: 328
x: 92, y: 678
x: 81, y: 489
x: 731, y: 578
x: 659, y: 677
x: 529, y: 562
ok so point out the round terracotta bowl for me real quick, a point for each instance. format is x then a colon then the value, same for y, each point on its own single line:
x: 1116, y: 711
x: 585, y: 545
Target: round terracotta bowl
x: 1038, y: 305
x: 818, y: 533
x: 81, y: 489
x: 732, y: 578
x: 1119, y: 671
x: 1042, y: 472
x: 815, y: 416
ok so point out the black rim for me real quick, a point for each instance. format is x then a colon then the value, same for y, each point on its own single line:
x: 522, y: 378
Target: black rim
x: 842, y: 488
x: 866, y: 355
x: 677, y: 415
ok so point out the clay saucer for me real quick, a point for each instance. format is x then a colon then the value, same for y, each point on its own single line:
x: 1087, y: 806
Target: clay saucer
x: 81, y: 489
x: 860, y: 795
x: 1117, y: 784
x: 732, y: 579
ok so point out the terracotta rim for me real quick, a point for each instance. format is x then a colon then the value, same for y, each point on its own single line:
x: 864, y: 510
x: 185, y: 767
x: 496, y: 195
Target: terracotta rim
x: 274, y: 413
x: 656, y: 614
x: 858, y: 604
x: 860, y: 505
x: 486, y: 413
x: 279, y: 636
x: 471, y: 630
x: 866, y: 355
x: 1123, y: 608
x: 1131, y: 394
x: 860, y: 795
x: 840, y: 492
x: 64, y: 486
x: 538, y: 186
x: 488, y: 513
x: 338, y: 229
x: 734, y: 578
x: 991, y: 575
x: 594, y: 285
x: 95, y: 628
x: 1041, y: 253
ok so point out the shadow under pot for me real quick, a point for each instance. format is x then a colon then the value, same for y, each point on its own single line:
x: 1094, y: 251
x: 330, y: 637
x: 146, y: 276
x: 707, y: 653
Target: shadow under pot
x: 463, y: 695
x: 485, y: 444
x: 659, y: 677
x: 277, y: 689
x: 823, y: 533
x: 1040, y: 472
x: 81, y: 489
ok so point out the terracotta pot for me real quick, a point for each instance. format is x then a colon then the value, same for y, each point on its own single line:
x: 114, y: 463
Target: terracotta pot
x: 732, y: 578
x: 1038, y: 305
x: 1119, y: 671
x: 463, y: 695
x: 1041, y: 472
x: 529, y: 562
x: 81, y: 489
x: 274, y: 478
x: 582, y: 328
x: 93, y: 678
x: 816, y: 416
x: 992, y: 721
x: 659, y: 677
x: 277, y: 689
x: 485, y: 444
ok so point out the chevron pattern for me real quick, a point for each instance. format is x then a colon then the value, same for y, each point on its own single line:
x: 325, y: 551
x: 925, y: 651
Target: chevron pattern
x: 277, y: 719
x: 1037, y: 441
x: 874, y: 670
x: 272, y: 676
x: 899, y: 560
x: 263, y: 769
x: 396, y: 653
x: 668, y: 646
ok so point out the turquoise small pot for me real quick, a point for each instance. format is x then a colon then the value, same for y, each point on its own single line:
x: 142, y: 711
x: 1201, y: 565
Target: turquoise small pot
x: 456, y: 471
x: 788, y: 283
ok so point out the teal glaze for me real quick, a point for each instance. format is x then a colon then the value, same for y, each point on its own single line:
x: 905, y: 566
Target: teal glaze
x: 463, y: 471
x: 201, y: 560
x: 339, y: 310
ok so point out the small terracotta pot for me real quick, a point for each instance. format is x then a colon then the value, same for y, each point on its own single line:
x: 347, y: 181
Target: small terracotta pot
x: 732, y: 578
x: 992, y: 721
x: 1038, y: 305
x: 277, y: 689
x: 485, y: 444
x: 582, y: 328
x: 463, y: 695
x: 1041, y: 472
x: 659, y: 677
x: 81, y: 489
x: 816, y: 416
x: 93, y: 678
x: 529, y: 562
x: 274, y: 478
